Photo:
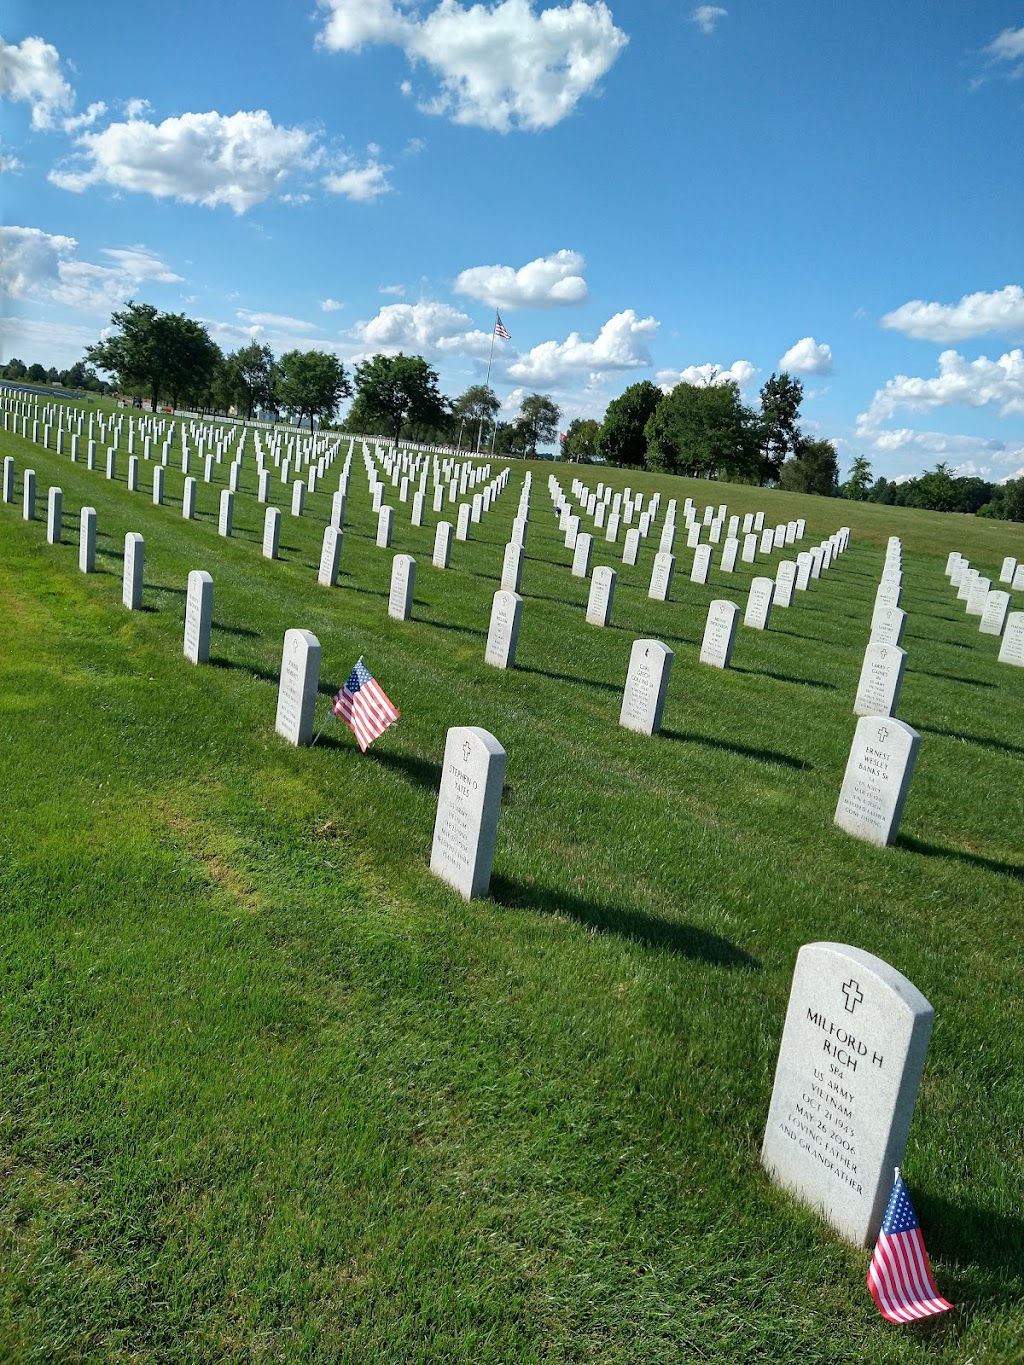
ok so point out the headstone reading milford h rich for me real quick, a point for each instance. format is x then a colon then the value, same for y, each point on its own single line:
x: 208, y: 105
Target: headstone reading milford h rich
x: 198, y: 617
x: 877, y: 779
x: 296, y: 694
x: 850, y: 1063
x: 643, y: 698
x: 468, y: 802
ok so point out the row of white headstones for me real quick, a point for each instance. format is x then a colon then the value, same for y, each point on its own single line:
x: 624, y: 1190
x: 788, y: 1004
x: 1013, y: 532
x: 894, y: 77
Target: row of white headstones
x: 845, y: 1088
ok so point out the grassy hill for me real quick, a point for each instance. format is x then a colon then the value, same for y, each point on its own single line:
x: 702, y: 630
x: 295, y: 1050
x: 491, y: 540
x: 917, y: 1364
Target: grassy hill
x: 272, y: 1092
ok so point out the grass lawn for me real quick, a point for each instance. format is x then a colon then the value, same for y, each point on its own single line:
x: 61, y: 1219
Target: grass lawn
x: 271, y: 1092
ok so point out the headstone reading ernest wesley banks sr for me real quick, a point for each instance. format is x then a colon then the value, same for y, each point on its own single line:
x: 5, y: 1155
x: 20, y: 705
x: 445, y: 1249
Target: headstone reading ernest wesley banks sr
x: 296, y: 694
x: 719, y: 633
x: 468, y: 803
x: 198, y: 617
x: 877, y: 779
x: 850, y: 1063
x: 503, y: 632
x: 643, y: 698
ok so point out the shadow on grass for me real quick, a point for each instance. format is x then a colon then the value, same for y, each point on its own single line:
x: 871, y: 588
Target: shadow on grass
x: 953, y: 677
x: 787, y: 678
x: 161, y: 587
x: 419, y: 772
x: 261, y: 674
x: 369, y: 592
x: 936, y: 640
x: 970, y: 1237
x: 562, y: 601
x: 635, y: 925
x: 927, y: 850
x: 235, y: 630
x: 448, y: 625
x: 1000, y: 745
x: 564, y: 677
x: 743, y: 750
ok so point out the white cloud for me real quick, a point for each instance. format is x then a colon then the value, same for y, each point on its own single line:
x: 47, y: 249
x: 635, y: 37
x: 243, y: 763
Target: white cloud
x: 135, y: 108
x: 277, y: 321
x: 30, y: 73
x: 1001, y: 311
x: 396, y: 291
x: 86, y: 120
x: 807, y: 357
x: 434, y: 328
x: 543, y: 283
x: 237, y: 159
x: 53, y: 343
x: 1008, y: 46
x: 498, y: 66
x: 959, y: 383
x: 740, y: 372
x: 8, y: 163
x: 361, y: 183
x: 622, y: 344
x: 44, y: 267
x: 707, y: 16
x: 330, y: 305
x: 967, y: 455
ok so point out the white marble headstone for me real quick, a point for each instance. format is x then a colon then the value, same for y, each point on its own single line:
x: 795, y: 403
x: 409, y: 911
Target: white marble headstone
x: 468, y: 804
x: 877, y: 779
x: 881, y: 677
x: 643, y: 698
x: 198, y: 617
x: 296, y: 694
x: 503, y: 631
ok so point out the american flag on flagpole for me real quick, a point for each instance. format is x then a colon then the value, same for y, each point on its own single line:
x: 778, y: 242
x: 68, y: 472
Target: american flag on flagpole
x: 500, y: 330
x: 364, y: 706
x: 900, y: 1277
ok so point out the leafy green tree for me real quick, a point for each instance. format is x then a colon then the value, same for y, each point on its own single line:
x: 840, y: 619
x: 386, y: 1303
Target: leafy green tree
x: 473, y: 412
x: 394, y: 392
x: 509, y: 438
x: 538, y: 421
x: 36, y: 374
x: 311, y: 384
x: 249, y: 377
x: 815, y: 469
x: 581, y: 438
x: 781, y: 396
x: 622, y: 440
x: 156, y: 352
x: 857, y: 485
x: 703, y: 430
x: 935, y: 489
x: 15, y: 369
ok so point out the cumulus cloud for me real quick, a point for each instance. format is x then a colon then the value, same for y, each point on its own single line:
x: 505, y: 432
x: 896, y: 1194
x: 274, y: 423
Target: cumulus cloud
x: 740, y: 372
x: 1000, y: 311
x: 86, y: 120
x: 959, y: 383
x: 807, y: 357
x: 434, y: 328
x: 211, y: 159
x: 361, y: 183
x: 277, y: 321
x: 45, y: 267
x: 707, y: 16
x: 994, y: 460
x: 136, y: 108
x: 543, y: 283
x: 8, y: 163
x: 1008, y: 46
x: 497, y: 66
x: 623, y: 343
x: 30, y: 74
x: 330, y: 305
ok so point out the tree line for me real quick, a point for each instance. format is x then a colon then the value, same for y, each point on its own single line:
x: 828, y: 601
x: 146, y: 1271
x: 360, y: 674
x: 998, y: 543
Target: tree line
x: 703, y: 430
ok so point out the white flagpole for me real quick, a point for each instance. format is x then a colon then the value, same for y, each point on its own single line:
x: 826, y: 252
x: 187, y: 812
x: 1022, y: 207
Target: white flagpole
x: 487, y: 381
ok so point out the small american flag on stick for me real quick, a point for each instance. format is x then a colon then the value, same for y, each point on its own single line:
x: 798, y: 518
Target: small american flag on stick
x: 900, y: 1277
x: 500, y: 329
x: 364, y: 706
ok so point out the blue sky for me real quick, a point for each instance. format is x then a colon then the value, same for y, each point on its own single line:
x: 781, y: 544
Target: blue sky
x: 644, y: 190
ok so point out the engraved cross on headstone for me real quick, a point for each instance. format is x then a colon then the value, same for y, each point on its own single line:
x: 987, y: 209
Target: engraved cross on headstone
x: 854, y: 994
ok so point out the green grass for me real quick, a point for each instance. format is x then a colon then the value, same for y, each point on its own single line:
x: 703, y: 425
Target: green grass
x: 272, y: 1092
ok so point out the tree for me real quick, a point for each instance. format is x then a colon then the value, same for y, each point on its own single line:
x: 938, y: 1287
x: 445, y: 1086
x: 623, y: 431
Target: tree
x: 474, y: 410
x: 311, y: 384
x: 15, y: 369
x: 622, y: 440
x: 815, y: 469
x: 249, y: 376
x: 781, y: 396
x: 395, y: 391
x: 153, y: 351
x: 701, y: 429
x: 538, y: 421
x: 36, y: 374
x: 581, y: 438
x: 857, y: 485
